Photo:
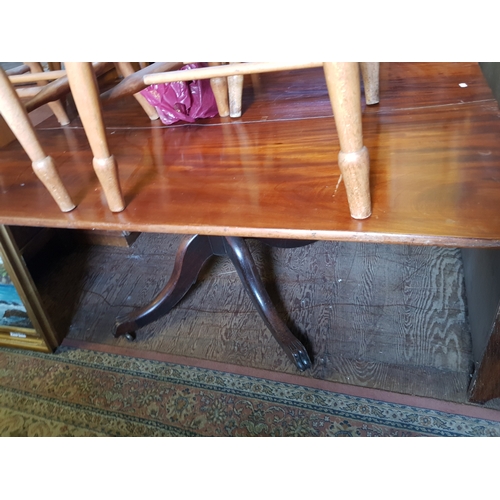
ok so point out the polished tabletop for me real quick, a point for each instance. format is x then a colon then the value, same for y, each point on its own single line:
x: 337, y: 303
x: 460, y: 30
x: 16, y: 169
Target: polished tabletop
x: 434, y: 144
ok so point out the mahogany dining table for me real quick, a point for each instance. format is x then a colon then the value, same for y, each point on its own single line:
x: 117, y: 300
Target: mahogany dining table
x: 434, y: 145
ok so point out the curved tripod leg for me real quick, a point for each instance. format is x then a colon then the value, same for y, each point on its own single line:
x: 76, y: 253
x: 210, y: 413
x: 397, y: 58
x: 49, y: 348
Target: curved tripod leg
x: 193, y: 252
x: 237, y: 250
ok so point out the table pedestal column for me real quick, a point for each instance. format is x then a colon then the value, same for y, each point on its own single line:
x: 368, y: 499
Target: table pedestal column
x: 192, y: 254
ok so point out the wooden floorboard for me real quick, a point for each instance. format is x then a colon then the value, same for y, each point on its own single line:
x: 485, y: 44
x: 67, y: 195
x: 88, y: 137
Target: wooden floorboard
x: 389, y: 317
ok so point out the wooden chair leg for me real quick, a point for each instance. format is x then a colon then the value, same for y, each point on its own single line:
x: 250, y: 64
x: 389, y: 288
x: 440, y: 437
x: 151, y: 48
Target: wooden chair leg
x: 83, y: 84
x: 126, y: 69
x: 220, y: 90
x: 54, y: 66
x: 235, y: 88
x: 345, y: 95
x: 14, y: 113
x: 56, y: 106
x: 370, y: 72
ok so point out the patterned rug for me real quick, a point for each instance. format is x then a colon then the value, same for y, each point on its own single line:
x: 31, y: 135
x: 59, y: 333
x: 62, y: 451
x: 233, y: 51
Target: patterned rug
x: 77, y: 392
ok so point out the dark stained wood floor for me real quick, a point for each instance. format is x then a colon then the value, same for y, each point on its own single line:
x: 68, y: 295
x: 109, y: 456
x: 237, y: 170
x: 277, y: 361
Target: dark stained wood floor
x: 391, y: 317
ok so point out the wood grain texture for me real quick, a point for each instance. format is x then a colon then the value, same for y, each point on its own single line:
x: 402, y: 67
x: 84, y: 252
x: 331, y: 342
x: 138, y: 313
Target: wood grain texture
x: 383, y: 316
x: 433, y: 145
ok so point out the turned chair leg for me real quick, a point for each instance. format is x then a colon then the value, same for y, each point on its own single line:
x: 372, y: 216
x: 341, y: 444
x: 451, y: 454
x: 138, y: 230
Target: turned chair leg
x: 126, y: 69
x: 235, y: 89
x: 14, y: 113
x: 345, y: 95
x: 56, y: 106
x: 370, y: 73
x: 54, y: 66
x: 83, y: 84
x: 220, y: 90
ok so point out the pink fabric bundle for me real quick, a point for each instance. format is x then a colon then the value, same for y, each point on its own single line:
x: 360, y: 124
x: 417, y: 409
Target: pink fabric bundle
x: 185, y: 101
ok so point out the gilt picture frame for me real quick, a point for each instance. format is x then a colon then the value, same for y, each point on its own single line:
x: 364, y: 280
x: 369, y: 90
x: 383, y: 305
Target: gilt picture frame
x: 23, y: 322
